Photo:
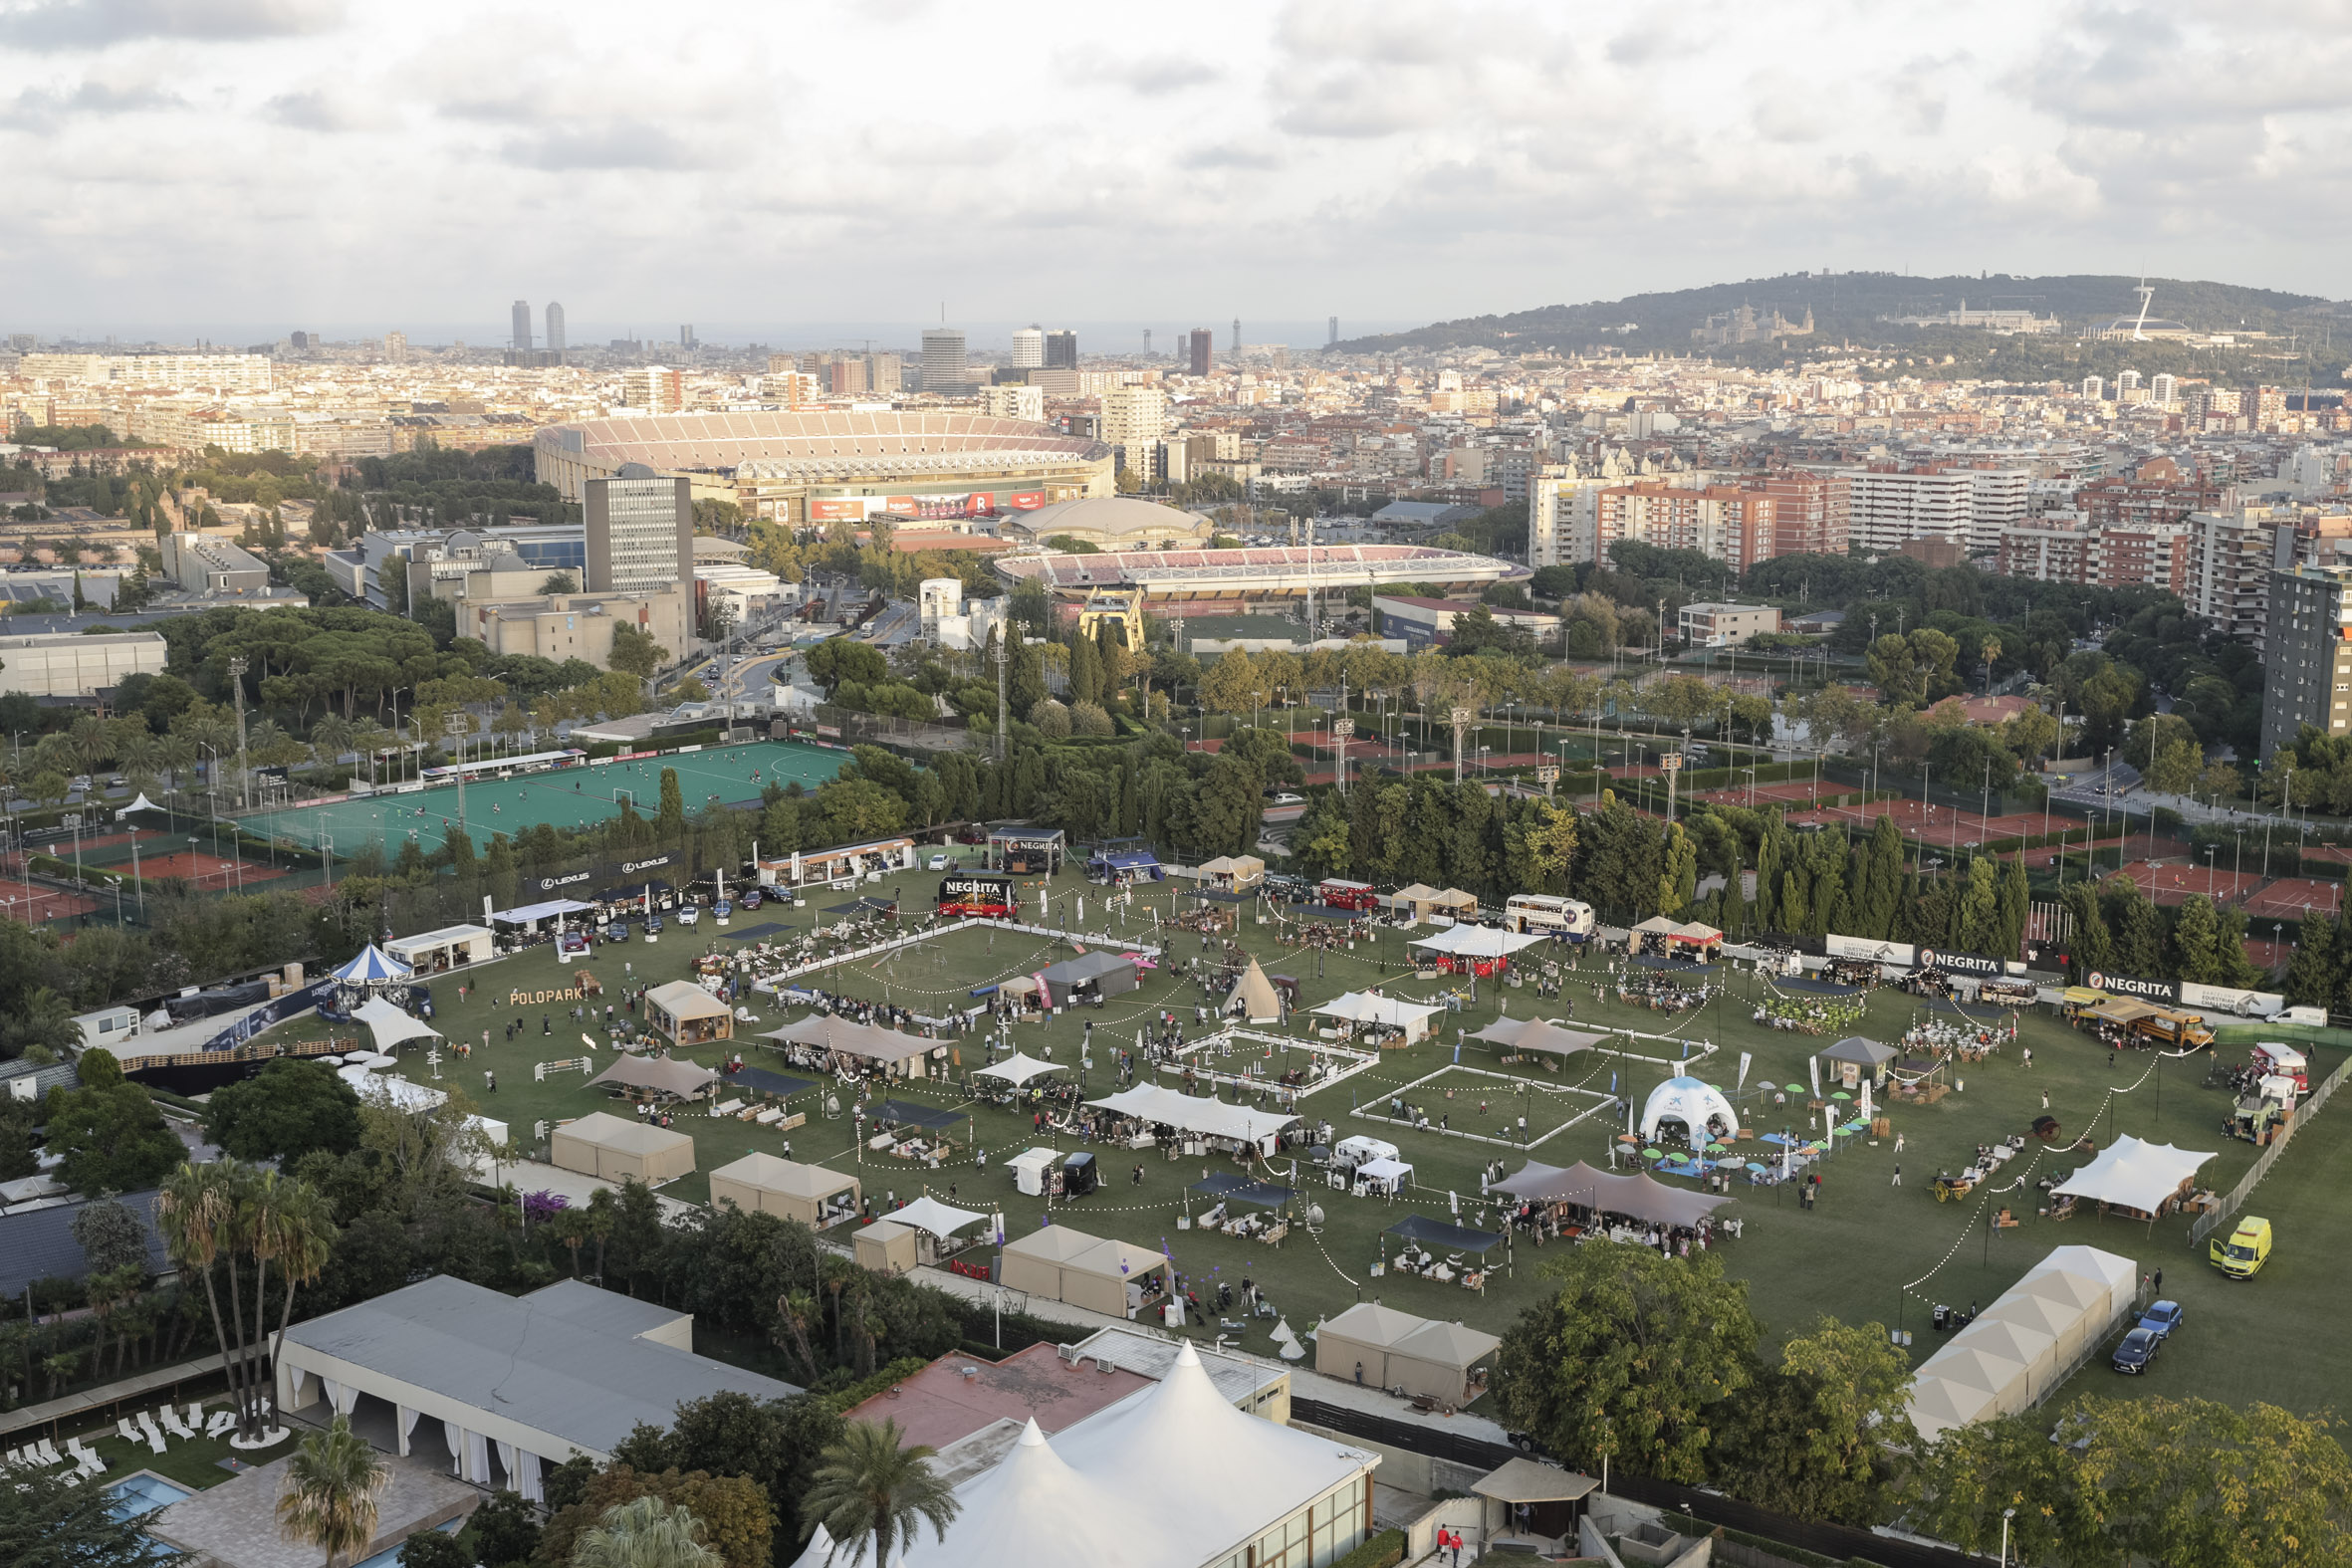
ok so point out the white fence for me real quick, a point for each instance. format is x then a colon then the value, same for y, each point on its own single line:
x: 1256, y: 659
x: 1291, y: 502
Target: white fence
x: 2226, y: 1210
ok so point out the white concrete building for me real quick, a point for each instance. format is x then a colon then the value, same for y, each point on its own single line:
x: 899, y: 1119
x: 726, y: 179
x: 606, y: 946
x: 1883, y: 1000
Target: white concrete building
x: 1136, y: 418
x: 67, y: 665
x: 1014, y: 402
x: 1885, y: 509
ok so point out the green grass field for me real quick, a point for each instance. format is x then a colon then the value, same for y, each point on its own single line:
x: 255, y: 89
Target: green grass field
x: 2269, y: 1338
x: 567, y: 798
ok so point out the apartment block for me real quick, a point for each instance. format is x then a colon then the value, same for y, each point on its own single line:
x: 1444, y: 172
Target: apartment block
x: 2234, y: 555
x: 2308, y: 657
x: 1886, y: 507
x: 2072, y: 550
x: 1014, y: 401
x: 640, y: 532
x: 1723, y: 522
x: 1727, y: 626
x: 1809, y: 516
x: 1134, y: 418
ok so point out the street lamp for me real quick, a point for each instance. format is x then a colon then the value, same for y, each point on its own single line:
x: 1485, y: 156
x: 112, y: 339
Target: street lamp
x: 2006, y: 1514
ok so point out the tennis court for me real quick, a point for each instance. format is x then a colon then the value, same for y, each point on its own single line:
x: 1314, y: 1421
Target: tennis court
x: 565, y: 798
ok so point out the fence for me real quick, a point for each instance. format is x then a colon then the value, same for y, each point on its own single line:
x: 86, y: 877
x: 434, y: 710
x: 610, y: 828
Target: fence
x: 2226, y: 1210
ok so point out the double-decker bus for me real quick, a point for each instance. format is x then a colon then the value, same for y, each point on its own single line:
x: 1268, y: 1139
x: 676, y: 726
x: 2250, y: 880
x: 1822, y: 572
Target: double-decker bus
x: 1336, y: 894
x: 1550, y: 914
x: 977, y: 893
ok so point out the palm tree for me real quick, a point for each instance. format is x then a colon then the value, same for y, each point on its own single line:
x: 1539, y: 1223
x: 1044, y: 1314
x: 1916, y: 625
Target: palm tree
x: 328, y: 1495
x: 331, y: 737
x: 209, y: 1213
x: 871, y: 1492
x: 645, y: 1532
x: 177, y: 751
x: 293, y: 1223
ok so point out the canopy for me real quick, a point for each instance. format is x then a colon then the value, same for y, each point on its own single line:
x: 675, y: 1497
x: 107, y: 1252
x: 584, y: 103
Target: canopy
x: 1861, y: 1052
x: 531, y: 913
x: 1018, y: 1069
x: 1361, y: 1007
x: 1478, y: 941
x: 372, y: 966
x: 908, y: 1113
x: 855, y: 1039
x: 1109, y: 972
x: 1391, y: 1349
x: 613, y: 1149
x: 2134, y: 1174
x: 682, y: 999
x: 1538, y: 1035
x: 662, y: 1074
x: 1635, y: 1197
x: 1063, y: 1265
x: 1243, y: 1189
x: 1210, y: 1118
x: 1254, y: 997
x: 1437, y: 1233
x: 391, y: 1026
x: 929, y: 1213
x: 1384, y: 1168
x: 1525, y: 1480
x: 1698, y: 1106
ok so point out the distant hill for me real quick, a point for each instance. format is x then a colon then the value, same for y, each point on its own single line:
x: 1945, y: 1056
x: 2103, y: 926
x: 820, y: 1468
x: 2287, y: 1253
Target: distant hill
x: 1852, y: 307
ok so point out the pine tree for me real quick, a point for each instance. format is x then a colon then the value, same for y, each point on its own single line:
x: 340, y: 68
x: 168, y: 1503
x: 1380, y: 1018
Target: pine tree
x: 1085, y: 671
x: 1882, y: 882
x: 2016, y: 905
x: 2311, y: 971
x: 1826, y: 891
x: 2091, y: 946
x: 2138, y: 926
x: 1980, y: 909
x: 1767, y: 877
x: 2196, y: 941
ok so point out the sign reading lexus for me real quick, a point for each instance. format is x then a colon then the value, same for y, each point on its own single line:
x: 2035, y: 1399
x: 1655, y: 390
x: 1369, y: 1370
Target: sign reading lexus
x: 2133, y: 986
x: 1959, y: 963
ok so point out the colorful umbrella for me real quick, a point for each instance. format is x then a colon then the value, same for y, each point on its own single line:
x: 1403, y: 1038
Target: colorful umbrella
x: 1653, y: 1154
x: 1840, y: 1095
x: 1752, y: 1166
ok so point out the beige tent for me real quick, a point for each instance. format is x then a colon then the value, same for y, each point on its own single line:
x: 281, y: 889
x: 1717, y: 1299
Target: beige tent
x: 1234, y: 873
x: 612, y: 1147
x: 1436, y: 1359
x: 764, y: 1184
x: 2025, y: 1344
x: 1255, y: 998
x: 1063, y: 1265
x: 662, y: 1074
x: 1453, y: 901
x: 1417, y: 900
x: 688, y: 1013
x: 1362, y: 1336
x: 884, y: 1248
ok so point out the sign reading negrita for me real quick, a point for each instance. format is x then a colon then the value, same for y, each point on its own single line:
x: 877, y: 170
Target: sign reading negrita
x: 2133, y: 986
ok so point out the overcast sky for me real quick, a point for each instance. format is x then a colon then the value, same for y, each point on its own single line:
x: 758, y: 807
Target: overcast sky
x: 184, y: 165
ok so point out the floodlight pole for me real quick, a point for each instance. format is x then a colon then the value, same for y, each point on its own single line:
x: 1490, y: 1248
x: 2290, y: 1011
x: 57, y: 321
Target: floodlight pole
x: 237, y: 691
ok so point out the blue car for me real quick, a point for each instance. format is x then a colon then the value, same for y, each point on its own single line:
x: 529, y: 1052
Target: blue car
x: 2138, y: 1349
x: 2162, y: 1318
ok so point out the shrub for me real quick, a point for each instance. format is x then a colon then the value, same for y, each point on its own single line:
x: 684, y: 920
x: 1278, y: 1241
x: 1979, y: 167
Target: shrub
x: 1090, y: 718
x: 1052, y: 720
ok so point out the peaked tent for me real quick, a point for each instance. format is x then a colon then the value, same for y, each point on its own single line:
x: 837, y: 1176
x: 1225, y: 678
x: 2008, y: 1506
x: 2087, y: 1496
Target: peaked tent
x: 1254, y: 997
x: 1437, y: 1359
x: 2130, y: 1174
x: 374, y: 966
x: 2023, y: 1346
x: 766, y: 1183
x: 612, y: 1149
x: 1066, y: 1265
x: 1867, y: 1054
x: 391, y: 1026
x: 1362, y: 1334
x: 1017, y: 1069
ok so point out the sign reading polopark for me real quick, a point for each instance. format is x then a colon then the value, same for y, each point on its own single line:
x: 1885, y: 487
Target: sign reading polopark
x: 2115, y: 984
x: 602, y: 874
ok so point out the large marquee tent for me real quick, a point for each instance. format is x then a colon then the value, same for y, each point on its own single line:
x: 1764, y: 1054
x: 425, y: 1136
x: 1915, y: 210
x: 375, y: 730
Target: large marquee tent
x: 1477, y: 942
x: 2130, y: 1174
x: 854, y: 1039
x: 1065, y: 1264
x: 1359, y: 1007
x: 661, y: 1074
x: 766, y: 1183
x: 1423, y: 1356
x: 2027, y: 1342
x: 1635, y: 1197
x: 612, y: 1149
x: 1538, y: 1035
x: 1198, y: 1114
x: 1109, y: 974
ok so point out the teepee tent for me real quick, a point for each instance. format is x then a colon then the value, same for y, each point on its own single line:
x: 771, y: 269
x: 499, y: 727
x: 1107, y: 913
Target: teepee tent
x: 1255, y: 998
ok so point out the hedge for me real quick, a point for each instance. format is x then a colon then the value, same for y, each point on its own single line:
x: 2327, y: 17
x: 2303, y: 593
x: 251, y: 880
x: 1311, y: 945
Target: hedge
x: 1384, y: 1550
x: 842, y: 1399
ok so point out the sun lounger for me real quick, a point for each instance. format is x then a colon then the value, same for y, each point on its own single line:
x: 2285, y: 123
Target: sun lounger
x: 124, y: 1429
x: 195, y: 1415
x: 154, y: 1435
x: 222, y: 1420
x: 170, y: 1422
x: 15, y: 1457
x: 49, y: 1454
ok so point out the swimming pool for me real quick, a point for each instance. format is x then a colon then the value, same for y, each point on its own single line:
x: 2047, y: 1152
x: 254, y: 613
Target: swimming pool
x: 141, y: 1496
x: 390, y: 1555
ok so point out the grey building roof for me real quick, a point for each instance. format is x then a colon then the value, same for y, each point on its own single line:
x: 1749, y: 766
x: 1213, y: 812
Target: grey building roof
x: 54, y: 1075
x: 38, y: 1243
x: 555, y: 1360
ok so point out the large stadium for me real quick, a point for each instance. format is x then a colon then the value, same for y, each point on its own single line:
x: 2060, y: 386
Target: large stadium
x: 824, y: 466
x: 1217, y: 581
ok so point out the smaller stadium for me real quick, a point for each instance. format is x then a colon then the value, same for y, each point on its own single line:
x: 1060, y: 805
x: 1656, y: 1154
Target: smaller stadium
x: 1230, y: 581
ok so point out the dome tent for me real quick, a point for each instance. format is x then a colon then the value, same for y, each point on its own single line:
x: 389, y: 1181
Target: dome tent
x: 1698, y: 1106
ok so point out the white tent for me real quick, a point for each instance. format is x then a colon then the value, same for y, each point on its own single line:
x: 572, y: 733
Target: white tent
x: 1478, y: 942
x: 1017, y: 1069
x: 929, y: 1213
x: 1210, y: 1118
x: 1698, y: 1106
x: 1389, y: 1173
x: 372, y: 966
x: 1254, y: 997
x: 2025, y: 1344
x: 391, y: 1026
x: 2133, y: 1174
x: 530, y: 913
x: 1358, y: 1007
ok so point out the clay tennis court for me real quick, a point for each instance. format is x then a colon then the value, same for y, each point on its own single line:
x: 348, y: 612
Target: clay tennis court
x: 2290, y: 898
x: 2175, y: 884
x: 41, y: 904
x: 205, y: 871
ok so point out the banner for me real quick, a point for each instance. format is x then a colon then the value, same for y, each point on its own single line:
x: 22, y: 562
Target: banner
x: 1813, y: 1071
x: 601, y: 874
x: 1871, y: 951
x: 1953, y: 963
x: 1744, y: 1058
x: 2134, y: 987
x: 2223, y: 999
x: 276, y: 1012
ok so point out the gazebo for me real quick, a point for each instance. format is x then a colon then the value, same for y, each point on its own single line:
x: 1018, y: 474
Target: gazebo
x: 1855, y: 1058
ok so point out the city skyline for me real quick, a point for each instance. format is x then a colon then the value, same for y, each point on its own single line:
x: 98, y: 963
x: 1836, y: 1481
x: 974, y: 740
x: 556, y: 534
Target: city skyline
x: 1369, y: 161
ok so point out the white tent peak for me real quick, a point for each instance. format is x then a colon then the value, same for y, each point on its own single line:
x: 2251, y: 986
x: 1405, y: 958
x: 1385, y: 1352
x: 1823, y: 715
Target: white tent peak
x: 1186, y: 1356
x: 1031, y: 1436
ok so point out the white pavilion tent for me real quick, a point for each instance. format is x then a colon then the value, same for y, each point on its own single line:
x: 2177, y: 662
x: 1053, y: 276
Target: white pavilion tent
x: 1700, y: 1107
x: 1478, y: 942
x: 2130, y: 1174
x: 391, y: 1026
x: 1017, y: 1069
x: 2027, y: 1342
x: 1358, y: 1007
x: 1198, y: 1114
x: 929, y: 1213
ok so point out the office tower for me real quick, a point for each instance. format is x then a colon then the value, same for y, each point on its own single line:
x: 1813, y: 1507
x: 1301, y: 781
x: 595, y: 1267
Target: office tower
x: 1199, y: 345
x: 640, y: 532
x: 943, y: 359
x: 1134, y: 418
x: 555, y: 329
x: 686, y: 335
x: 1029, y: 349
x: 523, y: 324
x: 1237, y: 335
x: 1333, y: 341
x: 302, y: 343
x: 2307, y: 656
x: 2164, y: 388
x: 1062, y: 351
x: 395, y: 347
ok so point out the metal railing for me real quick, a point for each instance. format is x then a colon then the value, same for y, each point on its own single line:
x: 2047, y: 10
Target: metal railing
x: 2226, y: 1210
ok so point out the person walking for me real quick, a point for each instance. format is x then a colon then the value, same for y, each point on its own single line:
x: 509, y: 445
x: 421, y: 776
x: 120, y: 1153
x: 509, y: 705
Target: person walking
x: 490, y: 1078
x: 1898, y: 1175
x: 1898, y: 1146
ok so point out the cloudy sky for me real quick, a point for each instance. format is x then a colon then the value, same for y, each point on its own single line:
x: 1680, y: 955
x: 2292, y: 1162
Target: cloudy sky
x: 224, y: 165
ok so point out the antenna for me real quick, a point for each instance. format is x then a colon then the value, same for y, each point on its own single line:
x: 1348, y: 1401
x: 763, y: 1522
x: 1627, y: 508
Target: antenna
x: 2146, y: 293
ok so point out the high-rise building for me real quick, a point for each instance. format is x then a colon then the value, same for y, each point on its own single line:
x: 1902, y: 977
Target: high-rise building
x: 686, y: 335
x: 1333, y: 340
x: 2093, y: 388
x: 943, y: 359
x: 2307, y: 656
x: 523, y: 324
x: 395, y: 347
x: 1014, y: 402
x: 2164, y: 388
x: 301, y: 341
x: 1029, y: 348
x: 885, y: 374
x: 555, y: 328
x: 640, y: 532
x: 1133, y: 419
x: 1885, y: 507
x: 1199, y: 345
x: 1062, y: 351
x: 844, y: 377
x: 657, y: 389
x: 1721, y: 523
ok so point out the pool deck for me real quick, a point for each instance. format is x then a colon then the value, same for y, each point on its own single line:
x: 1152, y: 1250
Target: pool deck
x: 235, y: 1525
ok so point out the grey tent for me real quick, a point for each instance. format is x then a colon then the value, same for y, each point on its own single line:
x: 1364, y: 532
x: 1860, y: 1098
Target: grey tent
x: 1538, y: 1035
x: 1635, y: 1197
x: 1108, y: 974
x: 1859, y: 1051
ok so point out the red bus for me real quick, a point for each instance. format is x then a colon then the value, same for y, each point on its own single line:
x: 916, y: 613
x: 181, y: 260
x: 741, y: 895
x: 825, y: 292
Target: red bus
x: 1348, y: 895
x: 968, y: 893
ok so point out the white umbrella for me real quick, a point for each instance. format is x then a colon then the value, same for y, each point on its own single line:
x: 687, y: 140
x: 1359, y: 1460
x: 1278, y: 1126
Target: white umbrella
x: 330, y: 1062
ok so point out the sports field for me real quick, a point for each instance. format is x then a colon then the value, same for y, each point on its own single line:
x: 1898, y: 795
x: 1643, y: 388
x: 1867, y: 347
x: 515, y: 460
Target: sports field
x: 566, y: 797
x: 1852, y: 1258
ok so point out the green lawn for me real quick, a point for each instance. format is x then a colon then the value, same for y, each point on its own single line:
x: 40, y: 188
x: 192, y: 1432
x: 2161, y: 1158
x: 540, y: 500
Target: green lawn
x: 194, y: 1463
x: 1848, y: 1258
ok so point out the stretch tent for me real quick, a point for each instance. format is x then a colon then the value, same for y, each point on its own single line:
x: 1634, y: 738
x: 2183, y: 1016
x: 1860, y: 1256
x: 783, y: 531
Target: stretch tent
x: 607, y: 1147
x: 1538, y: 1035
x: 1397, y: 1349
x: 1017, y: 1069
x: 1063, y: 1265
x: 662, y: 1074
x: 1198, y: 1114
x: 1635, y: 1197
x: 764, y: 1184
x: 532, y: 914
x: 1700, y: 1107
x: 391, y: 1026
x: 929, y: 1213
x: 1478, y: 942
x: 2023, y: 1345
x: 855, y: 1039
x: 2129, y: 1174
x: 1359, y: 1007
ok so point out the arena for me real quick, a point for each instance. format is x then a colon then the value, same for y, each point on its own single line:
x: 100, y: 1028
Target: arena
x: 1225, y: 581
x: 838, y: 464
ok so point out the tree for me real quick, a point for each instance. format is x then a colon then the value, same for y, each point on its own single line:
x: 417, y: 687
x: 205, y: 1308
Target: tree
x: 436, y: 1549
x: 672, y: 821
x: 112, y: 1136
x: 691, y: 689
x: 1813, y: 1437
x: 872, y: 1493
x: 288, y: 1110
x: 636, y: 652
x: 737, y: 1519
x: 1631, y: 1358
x: 226, y: 1211
x: 558, y: 583
x: 504, y: 1531
x: 645, y: 1532
x: 328, y: 1494
x: 45, y: 1523
x: 111, y: 1236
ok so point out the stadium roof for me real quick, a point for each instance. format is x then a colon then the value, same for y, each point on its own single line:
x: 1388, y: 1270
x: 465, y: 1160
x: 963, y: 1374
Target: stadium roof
x: 772, y: 444
x: 1283, y: 567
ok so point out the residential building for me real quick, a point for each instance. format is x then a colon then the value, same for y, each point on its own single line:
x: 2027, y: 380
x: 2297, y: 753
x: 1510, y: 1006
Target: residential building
x: 1808, y: 512
x: 555, y: 331
x: 1426, y: 622
x: 205, y: 563
x: 1062, y: 351
x: 1029, y: 348
x: 2108, y: 502
x: 1134, y: 418
x: 943, y: 359
x: 1727, y: 626
x: 523, y: 325
x: 844, y: 377
x: 1200, y: 347
x: 2308, y: 654
x: 1014, y: 402
x: 2235, y: 555
x: 640, y: 530
x: 652, y: 389
x: 1997, y: 499
x: 885, y: 374
x: 1564, y: 512
x: 395, y: 347
x: 1724, y: 523
x: 70, y: 664
x: 225, y: 372
x: 1885, y: 507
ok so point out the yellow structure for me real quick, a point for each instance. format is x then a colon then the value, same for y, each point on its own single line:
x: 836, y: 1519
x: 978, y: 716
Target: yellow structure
x: 1121, y: 608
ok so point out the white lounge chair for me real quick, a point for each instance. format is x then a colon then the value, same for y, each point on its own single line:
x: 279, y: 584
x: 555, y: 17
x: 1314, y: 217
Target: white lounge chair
x: 49, y: 1454
x: 169, y: 1419
x: 222, y: 1420
x: 195, y: 1415
x: 126, y: 1432
x: 153, y: 1434
x: 15, y: 1457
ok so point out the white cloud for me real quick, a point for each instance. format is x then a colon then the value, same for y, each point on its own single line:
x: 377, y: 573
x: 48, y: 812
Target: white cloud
x: 1384, y: 158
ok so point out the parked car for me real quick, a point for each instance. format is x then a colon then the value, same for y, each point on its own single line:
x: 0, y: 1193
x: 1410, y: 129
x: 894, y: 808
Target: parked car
x: 653, y: 926
x: 2162, y: 1318
x: 690, y: 915
x: 1287, y: 799
x: 752, y: 898
x: 939, y: 862
x: 2138, y: 1349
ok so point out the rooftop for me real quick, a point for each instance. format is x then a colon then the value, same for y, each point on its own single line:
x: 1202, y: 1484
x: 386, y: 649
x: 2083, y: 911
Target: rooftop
x: 959, y: 1395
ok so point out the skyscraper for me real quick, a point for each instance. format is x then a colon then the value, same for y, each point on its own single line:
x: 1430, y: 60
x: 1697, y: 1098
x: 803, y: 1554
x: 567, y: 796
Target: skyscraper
x: 1062, y: 351
x: 395, y: 347
x: 555, y: 328
x: 1134, y: 418
x: 523, y: 324
x: 1029, y: 349
x: 686, y: 335
x: 1200, y: 347
x: 1333, y: 340
x: 640, y: 532
x: 943, y: 359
